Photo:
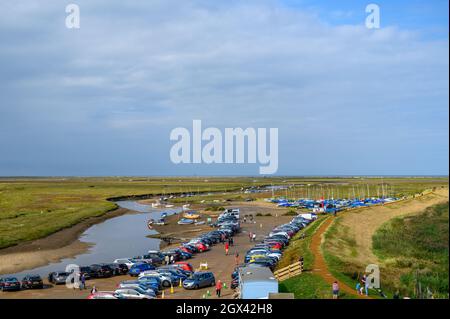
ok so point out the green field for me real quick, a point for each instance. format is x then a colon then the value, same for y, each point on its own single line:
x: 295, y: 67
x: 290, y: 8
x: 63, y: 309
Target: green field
x: 416, y: 249
x: 32, y: 208
x: 35, y: 208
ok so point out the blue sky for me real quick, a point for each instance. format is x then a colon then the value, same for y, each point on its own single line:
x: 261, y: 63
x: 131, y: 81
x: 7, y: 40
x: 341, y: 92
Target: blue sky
x: 102, y: 99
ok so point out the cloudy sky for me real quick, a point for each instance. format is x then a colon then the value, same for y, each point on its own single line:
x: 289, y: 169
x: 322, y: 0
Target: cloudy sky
x: 102, y: 99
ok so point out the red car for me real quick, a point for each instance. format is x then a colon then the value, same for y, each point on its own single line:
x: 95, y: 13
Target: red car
x: 201, y: 247
x: 275, y: 245
x: 186, y: 249
x: 184, y: 265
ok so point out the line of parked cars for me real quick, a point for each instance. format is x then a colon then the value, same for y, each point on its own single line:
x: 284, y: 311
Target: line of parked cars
x: 28, y: 282
x: 268, y: 252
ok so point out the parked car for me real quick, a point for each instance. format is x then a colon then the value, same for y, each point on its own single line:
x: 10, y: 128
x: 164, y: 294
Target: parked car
x: 86, y: 271
x: 136, y: 293
x: 199, y: 280
x: 156, y: 280
x: 147, y: 284
x: 58, y: 277
x: 9, y: 284
x: 136, y: 269
x: 184, y: 265
x: 118, y: 269
x: 32, y: 282
x: 127, y: 261
x: 101, y: 271
x: 148, y: 290
x: 102, y: 295
x: 166, y: 281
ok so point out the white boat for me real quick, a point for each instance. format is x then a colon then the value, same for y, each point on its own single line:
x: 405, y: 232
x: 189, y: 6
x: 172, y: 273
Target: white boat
x: 169, y: 206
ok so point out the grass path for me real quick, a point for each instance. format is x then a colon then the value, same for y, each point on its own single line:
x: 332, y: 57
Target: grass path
x: 320, y: 267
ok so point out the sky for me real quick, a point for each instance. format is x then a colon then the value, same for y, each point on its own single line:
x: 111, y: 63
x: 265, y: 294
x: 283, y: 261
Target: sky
x: 103, y: 99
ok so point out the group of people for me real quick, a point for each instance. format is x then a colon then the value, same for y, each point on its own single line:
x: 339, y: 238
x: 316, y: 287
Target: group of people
x: 362, y: 287
x: 252, y: 236
x: 251, y: 219
x: 169, y: 259
x: 81, y: 283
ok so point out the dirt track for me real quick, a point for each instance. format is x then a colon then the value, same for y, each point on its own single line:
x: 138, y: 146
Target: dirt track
x: 320, y: 267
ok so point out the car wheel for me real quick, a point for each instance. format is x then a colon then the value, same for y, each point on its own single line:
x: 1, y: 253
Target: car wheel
x: 166, y: 283
x: 196, y: 286
x: 213, y: 284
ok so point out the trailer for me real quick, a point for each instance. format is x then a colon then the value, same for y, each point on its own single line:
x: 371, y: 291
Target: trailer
x: 256, y: 282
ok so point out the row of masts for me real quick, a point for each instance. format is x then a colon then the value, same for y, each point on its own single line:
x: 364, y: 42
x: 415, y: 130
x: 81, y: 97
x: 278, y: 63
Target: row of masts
x: 326, y: 191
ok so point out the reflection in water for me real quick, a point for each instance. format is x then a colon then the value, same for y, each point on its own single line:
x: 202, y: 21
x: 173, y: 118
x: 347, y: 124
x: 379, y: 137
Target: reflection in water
x: 118, y: 237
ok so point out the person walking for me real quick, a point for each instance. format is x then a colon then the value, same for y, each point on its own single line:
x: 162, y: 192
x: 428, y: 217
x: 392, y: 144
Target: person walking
x: 83, y: 282
x: 236, y: 258
x: 254, y: 237
x: 366, y: 286
x: 227, y: 247
x: 171, y: 259
x: 250, y: 236
x: 167, y: 259
x: 218, y: 288
x: 335, y: 288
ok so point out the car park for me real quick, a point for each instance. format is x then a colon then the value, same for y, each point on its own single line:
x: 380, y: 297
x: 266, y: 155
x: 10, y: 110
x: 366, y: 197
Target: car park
x: 32, y: 282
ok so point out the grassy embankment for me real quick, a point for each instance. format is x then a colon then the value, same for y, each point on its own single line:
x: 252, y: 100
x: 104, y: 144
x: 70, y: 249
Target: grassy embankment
x: 357, y: 239
x: 416, y: 250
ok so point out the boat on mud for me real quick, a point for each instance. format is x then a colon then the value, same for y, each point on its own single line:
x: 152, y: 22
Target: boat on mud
x: 191, y: 215
x: 185, y: 221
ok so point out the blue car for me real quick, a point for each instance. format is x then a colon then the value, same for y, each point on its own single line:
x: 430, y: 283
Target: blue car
x: 151, y: 280
x: 199, y: 280
x: 136, y: 269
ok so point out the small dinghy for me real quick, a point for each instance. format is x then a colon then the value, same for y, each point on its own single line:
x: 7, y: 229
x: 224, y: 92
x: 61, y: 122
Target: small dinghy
x: 185, y: 221
x: 191, y: 215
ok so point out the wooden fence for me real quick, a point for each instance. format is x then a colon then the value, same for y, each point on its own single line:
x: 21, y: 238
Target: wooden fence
x: 289, y: 271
